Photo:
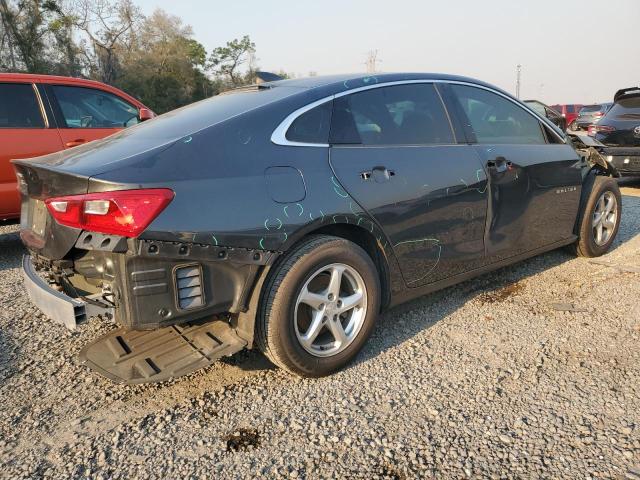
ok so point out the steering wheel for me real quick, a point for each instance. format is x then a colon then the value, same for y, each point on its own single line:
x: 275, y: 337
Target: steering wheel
x: 87, y: 121
x: 132, y: 117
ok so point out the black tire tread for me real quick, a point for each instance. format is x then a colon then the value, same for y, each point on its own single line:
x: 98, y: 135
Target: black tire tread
x: 270, y: 298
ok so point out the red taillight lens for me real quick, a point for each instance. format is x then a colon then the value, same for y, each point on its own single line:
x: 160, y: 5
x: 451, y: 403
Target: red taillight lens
x: 593, y: 129
x: 123, y: 212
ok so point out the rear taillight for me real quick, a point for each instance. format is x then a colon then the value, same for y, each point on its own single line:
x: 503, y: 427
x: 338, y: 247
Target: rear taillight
x: 593, y: 129
x: 122, y: 212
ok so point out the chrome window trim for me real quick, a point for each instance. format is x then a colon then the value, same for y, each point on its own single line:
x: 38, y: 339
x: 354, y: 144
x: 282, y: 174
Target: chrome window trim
x: 279, y: 137
x: 43, y: 112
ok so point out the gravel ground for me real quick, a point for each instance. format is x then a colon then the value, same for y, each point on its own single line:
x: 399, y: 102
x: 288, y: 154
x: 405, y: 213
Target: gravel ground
x: 486, y: 379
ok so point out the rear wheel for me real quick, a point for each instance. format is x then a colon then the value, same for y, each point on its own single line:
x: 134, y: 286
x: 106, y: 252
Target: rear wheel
x: 319, y: 306
x: 600, y: 218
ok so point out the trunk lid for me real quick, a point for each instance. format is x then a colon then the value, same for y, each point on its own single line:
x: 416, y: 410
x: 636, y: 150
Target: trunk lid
x: 38, y: 230
x: 66, y: 173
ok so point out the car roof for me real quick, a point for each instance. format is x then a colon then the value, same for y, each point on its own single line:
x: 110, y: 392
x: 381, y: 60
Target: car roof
x: 356, y: 80
x: 81, y: 82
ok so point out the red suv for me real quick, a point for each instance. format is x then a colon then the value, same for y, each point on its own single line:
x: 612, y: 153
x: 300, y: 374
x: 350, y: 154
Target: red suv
x: 41, y: 114
x: 569, y: 112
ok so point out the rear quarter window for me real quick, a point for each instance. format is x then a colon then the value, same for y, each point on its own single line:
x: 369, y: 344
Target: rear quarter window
x: 312, y: 126
x: 19, y: 107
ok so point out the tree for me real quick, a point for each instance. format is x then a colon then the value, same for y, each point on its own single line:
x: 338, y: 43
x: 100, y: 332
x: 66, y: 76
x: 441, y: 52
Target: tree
x: 164, y: 66
x: 226, y: 61
x: 31, y: 34
x: 109, y: 27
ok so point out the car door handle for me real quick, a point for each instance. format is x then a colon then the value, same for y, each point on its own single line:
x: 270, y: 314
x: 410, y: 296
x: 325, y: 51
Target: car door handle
x: 75, y: 143
x: 379, y: 174
x: 500, y: 164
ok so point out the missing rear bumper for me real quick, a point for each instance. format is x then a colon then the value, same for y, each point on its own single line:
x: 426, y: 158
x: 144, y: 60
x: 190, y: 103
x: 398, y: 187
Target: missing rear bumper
x: 130, y: 356
x: 58, y: 306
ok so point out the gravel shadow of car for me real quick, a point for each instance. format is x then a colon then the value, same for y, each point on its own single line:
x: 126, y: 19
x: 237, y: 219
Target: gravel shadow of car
x: 392, y: 328
x: 11, y: 248
x: 8, y: 353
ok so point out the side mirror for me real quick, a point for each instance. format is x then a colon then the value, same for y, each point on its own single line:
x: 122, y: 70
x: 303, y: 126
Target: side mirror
x: 145, y: 114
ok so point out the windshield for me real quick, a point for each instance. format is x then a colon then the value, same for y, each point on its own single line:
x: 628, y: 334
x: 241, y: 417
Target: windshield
x: 591, y: 109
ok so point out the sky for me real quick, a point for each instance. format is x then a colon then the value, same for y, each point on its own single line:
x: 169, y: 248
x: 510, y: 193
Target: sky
x: 571, y: 51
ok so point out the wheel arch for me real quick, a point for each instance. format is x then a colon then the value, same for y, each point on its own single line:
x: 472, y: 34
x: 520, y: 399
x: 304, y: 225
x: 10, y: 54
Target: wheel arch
x: 246, y: 320
x: 368, y: 242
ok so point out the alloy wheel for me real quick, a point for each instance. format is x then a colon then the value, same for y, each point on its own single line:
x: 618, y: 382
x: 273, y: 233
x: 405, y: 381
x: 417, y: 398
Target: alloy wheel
x: 330, y: 310
x: 605, y: 217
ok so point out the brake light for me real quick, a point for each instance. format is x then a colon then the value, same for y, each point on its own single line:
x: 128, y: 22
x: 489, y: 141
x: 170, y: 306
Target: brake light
x: 122, y: 212
x: 593, y: 129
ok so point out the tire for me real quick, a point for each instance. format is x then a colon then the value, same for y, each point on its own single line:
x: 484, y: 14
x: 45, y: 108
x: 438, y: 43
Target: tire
x: 284, y: 321
x: 603, y: 189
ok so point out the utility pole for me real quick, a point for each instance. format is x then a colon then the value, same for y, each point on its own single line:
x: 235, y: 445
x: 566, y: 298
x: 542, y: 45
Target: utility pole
x: 518, y: 71
x: 372, y: 60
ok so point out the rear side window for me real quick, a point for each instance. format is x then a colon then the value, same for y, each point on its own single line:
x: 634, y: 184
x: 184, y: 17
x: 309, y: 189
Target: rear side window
x: 493, y: 119
x: 399, y: 115
x: 591, y: 109
x: 312, y: 126
x: 626, y: 109
x: 19, y: 106
x: 570, y: 109
x: 90, y: 108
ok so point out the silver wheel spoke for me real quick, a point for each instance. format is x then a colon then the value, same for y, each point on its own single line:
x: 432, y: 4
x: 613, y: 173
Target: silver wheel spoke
x: 314, y: 300
x: 335, y: 326
x: 599, y: 233
x: 313, y: 330
x: 335, y: 281
x: 597, y: 218
x: 608, y: 223
x: 352, y: 301
x: 610, y: 203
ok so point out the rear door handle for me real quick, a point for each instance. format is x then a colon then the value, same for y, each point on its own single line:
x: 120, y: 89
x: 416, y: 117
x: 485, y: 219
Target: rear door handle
x: 379, y: 174
x: 75, y: 143
x: 500, y: 164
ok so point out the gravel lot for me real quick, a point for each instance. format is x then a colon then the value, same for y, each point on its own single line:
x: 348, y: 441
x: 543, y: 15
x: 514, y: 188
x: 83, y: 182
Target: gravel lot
x: 486, y: 379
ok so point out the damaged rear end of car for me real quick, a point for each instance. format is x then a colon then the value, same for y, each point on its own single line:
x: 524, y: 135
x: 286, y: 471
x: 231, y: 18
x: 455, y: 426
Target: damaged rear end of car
x: 109, y: 236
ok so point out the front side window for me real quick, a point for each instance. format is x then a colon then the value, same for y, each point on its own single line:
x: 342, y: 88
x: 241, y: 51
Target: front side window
x: 410, y: 114
x: 19, y: 106
x: 537, y: 107
x: 495, y: 120
x: 90, y: 108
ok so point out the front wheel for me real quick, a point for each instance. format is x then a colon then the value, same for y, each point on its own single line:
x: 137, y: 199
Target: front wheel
x: 319, y: 306
x: 600, y: 219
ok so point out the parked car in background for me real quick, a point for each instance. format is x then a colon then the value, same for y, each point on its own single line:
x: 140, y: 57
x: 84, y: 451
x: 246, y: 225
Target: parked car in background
x: 591, y: 114
x: 619, y: 131
x: 285, y: 216
x: 41, y: 114
x: 569, y: 112
x: 548, y: 112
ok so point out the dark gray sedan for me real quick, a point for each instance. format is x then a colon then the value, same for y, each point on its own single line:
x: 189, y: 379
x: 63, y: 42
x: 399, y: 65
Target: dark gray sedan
x: 287, y: 215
